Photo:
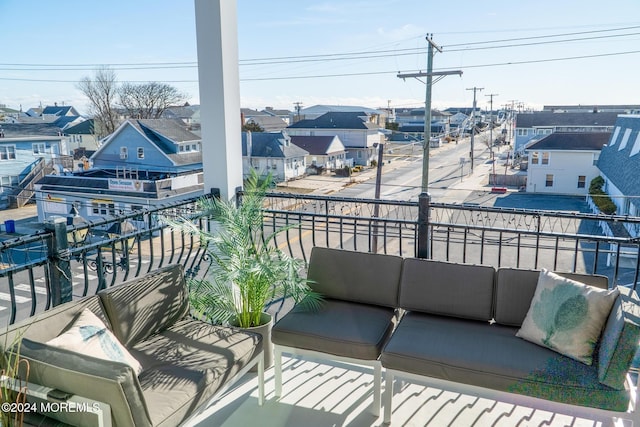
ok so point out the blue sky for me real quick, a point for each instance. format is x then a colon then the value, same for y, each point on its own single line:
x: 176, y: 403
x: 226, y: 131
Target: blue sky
x: 48, y: 46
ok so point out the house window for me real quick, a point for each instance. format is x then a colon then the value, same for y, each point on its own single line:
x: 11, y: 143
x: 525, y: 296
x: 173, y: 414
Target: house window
x: 545, y: 158
x: 534, y: 158
x: 523, y: 132
x: 7, y: 152
x: 194, y: 147
x: 103, y: 208
x: 140, y: 153
x: 39, y: 148
x: 549, y: 180
x: 182, y: 148
x: 582, y: 181
x: 124, y: 153
x: 8, y: 182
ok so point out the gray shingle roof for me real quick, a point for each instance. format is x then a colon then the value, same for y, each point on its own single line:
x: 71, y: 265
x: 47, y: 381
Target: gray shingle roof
x: 315, y: 145
x: 617, y: 164
x: 545, y: 118
x: 571, y: 141
x: 19, y: 130
x: 266, y: 144
x: 173, y: 129
x: 336, y: 120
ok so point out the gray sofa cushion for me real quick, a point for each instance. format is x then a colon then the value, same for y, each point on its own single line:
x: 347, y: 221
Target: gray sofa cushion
x: 459, y: 290
x: 340, y: 328
x: 103, y: 380
x: 491, y: 356
x: 145, y: 306
x: 515, y: 289
x: 186, y: 363
x: 619, y: 342
x: 355, y: 276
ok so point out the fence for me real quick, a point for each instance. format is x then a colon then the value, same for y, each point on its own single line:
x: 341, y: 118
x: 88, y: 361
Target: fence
x: 62, y: 262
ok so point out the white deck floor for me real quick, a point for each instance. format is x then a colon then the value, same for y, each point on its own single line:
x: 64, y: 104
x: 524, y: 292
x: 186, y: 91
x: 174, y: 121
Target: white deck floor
x: 336, y: 394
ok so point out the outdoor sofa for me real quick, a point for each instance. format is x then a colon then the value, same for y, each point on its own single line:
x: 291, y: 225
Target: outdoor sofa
x: 184, y: 363
x: 453, y: 326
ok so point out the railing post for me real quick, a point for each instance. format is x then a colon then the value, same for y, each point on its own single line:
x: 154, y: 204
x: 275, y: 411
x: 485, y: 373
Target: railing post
x: 424, y: 207
x: 58, y: 251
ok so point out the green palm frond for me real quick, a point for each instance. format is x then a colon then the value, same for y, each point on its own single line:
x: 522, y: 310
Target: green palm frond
x: 247, y: 269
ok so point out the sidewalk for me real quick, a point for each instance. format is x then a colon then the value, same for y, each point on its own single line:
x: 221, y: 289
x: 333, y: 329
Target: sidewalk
x: 26, y: 221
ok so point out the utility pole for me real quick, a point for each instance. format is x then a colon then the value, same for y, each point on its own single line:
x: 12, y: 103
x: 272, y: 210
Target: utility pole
x: 427, y: 105
x: 424, y: 199
x: 473, y: 121
x: 298, y: 106
x: 491, y: 95
x: 376, y: 207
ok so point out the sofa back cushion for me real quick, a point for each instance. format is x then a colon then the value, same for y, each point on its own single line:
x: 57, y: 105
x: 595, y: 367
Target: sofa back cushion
x: 355, y: 276
x: 49, y: 324
x: 515, y: 289
x: 436, y: 287
x: 619, y: 341
x: 147, y: 305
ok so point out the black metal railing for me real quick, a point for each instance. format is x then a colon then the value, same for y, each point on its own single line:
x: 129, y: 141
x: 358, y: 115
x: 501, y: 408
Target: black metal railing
x: 63, y: 263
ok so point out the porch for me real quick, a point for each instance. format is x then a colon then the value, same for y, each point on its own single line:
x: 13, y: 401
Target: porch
x: 62, y: 264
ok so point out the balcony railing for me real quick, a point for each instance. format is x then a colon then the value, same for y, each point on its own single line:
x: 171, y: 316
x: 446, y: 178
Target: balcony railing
x: 63, y: 262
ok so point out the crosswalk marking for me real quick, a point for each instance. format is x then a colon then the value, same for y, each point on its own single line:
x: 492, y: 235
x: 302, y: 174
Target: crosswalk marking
x: 89, y: 276
x: 26, y: 288
x: 19, y: 300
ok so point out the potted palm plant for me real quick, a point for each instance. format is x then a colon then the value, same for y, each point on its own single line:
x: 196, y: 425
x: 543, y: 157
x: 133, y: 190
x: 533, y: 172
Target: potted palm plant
x: 247, y: 270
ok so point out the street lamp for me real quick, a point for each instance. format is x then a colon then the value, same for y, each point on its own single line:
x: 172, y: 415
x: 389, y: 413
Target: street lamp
x: 78, y: 235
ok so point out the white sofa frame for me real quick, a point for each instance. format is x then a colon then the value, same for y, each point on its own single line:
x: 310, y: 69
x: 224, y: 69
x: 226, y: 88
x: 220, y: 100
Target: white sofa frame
x: 376, y: 365
x: 630, y: 418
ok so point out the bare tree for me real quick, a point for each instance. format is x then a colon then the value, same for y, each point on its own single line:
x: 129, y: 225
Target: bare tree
x: 101, y: 91
x: 149, y: 100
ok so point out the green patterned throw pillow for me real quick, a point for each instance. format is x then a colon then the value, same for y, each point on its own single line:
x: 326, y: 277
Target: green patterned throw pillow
x: 567, y: 316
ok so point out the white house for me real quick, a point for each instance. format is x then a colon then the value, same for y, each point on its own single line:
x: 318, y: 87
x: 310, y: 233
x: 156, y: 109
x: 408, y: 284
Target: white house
x: 326, y: 152
x: 536, y: 125
x: 272, y: 153
x: 564, y: 162
x: 359, y: 136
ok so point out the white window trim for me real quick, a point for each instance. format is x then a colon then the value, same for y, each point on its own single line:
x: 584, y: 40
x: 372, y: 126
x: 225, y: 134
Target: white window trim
x: 6, y: 148
x: 124, y: 153
x: 140, y: 152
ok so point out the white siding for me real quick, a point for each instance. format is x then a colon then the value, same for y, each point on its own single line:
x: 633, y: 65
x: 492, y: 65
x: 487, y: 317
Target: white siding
x: 566, y: 167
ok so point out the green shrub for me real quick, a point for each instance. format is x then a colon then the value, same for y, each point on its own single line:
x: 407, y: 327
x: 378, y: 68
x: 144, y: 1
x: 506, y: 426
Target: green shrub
x: 600, y: 198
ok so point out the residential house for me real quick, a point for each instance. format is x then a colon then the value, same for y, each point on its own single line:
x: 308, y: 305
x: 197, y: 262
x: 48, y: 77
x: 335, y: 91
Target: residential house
x: 27, y: 152
x: 268, y: 123
x: 359, y: 136
x: 326, y: 153
x: 285, y: 115
x: 189, y: 114
x: 620, y: 109
x: 619, y: 165
x: 272, y: 153
x: 378, y: 117
x: 564, y: 162
x: 144, y: 163
x: 81, y: 135
x: 535, y: 125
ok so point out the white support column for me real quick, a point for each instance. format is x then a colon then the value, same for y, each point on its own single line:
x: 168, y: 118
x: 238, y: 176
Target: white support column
x: 217, y: 38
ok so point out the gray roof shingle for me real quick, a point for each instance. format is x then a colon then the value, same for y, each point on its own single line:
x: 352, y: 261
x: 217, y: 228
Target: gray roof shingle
x: 571, y: 141
x: 618, y: 165
x: 266, y: 144
x: 545, y: 118
x: 336, y: 120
